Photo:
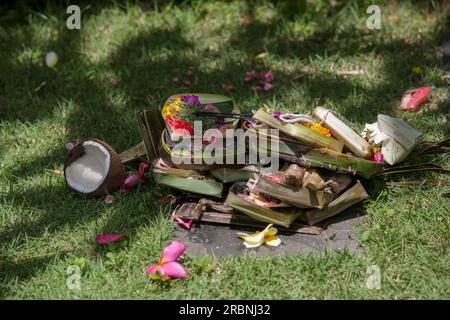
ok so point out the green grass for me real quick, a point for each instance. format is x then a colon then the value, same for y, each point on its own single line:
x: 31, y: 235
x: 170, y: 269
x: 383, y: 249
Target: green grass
x: 44, y: 228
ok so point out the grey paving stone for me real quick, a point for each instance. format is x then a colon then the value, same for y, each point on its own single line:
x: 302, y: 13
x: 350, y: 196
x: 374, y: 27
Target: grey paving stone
x: 221, y: 241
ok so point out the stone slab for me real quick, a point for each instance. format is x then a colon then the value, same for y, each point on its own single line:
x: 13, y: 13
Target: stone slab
x: 221, y: 240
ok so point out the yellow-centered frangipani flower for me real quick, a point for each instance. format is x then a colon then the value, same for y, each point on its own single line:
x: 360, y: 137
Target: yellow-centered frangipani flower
x: 267, y: 236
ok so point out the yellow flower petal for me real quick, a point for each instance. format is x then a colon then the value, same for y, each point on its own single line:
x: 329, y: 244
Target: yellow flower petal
x: 251, y: 245
x: 256, y: 239
x: 253, y: 238
x: 272, y: 241
x: 271, y: 232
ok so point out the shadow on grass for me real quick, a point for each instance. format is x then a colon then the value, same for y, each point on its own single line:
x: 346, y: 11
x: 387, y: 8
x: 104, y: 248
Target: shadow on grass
x: 146, y: 81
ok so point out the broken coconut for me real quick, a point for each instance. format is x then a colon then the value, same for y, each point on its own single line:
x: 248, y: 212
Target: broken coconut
x: 93, y: 168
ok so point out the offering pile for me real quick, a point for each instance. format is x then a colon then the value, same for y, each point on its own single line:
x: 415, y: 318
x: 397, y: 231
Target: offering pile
x: 266, y: 167
x: 320, y: 160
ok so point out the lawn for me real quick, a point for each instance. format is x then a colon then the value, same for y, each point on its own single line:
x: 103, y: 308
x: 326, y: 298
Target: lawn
x: 124, y: 59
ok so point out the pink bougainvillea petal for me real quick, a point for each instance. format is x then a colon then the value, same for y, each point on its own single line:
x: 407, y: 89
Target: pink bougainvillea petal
x: 69, y: 146
x: 107, y: 238
x: 185, y: 223
x: 131, y: 182
x: 154, y: 268
x: 173, y: 270
x: 136, y: 178
x: 249, y: 76
x: 266, y: 76
x: 109, y: 199
x: 267, y: 86
x: 173, y: 251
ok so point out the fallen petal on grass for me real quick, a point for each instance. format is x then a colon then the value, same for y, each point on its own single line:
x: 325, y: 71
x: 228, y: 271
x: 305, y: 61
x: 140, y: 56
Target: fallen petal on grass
x: 109, y: 199
x: 107, y: 238
x: 69, y: 146
x: 184, y: 223
x: 168, y: 266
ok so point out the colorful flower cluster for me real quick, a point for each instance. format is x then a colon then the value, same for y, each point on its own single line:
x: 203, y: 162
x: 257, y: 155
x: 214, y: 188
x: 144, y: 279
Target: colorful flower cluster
x: 175, y: 113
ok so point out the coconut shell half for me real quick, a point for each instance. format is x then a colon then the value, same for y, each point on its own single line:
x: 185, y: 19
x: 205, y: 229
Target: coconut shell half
x: 93, y: 168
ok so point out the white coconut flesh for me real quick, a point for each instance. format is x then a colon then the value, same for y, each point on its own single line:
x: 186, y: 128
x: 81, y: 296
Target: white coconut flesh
x: 89, y: 171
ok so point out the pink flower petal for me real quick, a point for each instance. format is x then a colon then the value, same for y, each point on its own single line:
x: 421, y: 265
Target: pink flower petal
x: 186, y: 83
x: 190, y: 71
x: 185, y: 223
x: 378, y: 157
x: 173, y: 251
x: 131, y: 182
x: 109, y: 199
x: 267, y: 76
x: 115, y: 82
x: 267, y: 86
x: 69, y: 146
x: 154, y: 268
x: 143, y: 168
x: 175, y: 79
x: 249, y: 75
x: 106, y: 238
x: 173, y: 270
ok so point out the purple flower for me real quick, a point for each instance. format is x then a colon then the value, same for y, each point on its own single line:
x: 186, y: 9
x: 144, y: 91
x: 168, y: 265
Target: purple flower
x: 190, y: 99
x: 276, y: 114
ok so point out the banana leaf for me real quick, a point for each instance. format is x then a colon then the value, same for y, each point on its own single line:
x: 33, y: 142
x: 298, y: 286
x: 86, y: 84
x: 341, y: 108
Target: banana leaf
x: 349, y: 198
x: 207, y: 187
x: 300, y: 132
x: 199, y: 160
x: 301, y: 198
x: 228, y: 175
x: 295, y: 152
x: 282, y: 216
